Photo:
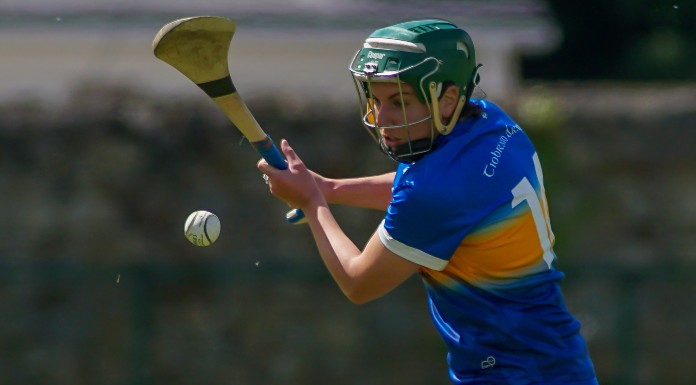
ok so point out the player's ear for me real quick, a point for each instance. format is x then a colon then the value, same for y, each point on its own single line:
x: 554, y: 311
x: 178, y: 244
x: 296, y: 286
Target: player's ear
x: 448, y: 102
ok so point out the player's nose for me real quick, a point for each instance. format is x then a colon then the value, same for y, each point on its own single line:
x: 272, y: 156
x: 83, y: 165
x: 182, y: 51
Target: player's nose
x: 385, y: 117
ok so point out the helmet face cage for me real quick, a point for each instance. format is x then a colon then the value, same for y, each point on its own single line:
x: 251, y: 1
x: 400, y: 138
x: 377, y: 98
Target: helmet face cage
x: 423, y: 54
x: 363, y: 82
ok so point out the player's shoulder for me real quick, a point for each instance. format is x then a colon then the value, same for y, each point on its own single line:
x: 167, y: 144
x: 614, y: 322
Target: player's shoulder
x: 489, y: 139
x: 485, y: 131
x: 489, y: 149
x: 491, y: 117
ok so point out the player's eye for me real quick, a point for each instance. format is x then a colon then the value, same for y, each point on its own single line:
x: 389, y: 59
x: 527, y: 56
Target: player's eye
x: 399, y: 103
x: 374, y: 102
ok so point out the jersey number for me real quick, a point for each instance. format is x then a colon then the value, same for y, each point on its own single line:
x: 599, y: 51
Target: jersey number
x: 524, y: 191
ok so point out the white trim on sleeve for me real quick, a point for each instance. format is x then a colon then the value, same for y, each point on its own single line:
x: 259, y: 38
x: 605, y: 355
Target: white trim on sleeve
x: 407, y: 252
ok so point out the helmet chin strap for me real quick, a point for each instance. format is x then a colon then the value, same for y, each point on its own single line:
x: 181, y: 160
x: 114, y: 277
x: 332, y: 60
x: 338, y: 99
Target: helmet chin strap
x: 444, y: 129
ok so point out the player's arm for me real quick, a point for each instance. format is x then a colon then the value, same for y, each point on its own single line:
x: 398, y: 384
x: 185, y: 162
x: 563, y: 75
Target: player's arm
x: 372, y: 192
x: 362, y: 275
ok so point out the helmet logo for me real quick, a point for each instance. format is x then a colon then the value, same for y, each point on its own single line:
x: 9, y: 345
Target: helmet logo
x: 371, y: 67
x: 375, y: 55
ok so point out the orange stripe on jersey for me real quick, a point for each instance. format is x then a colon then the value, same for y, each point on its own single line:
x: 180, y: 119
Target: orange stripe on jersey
x: 505, y: 250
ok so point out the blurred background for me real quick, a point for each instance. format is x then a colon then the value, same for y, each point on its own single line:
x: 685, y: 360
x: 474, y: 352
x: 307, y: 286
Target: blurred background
x: 104, y: 151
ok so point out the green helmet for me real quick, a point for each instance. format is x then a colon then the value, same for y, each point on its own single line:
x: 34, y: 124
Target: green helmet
x: 425, y: 54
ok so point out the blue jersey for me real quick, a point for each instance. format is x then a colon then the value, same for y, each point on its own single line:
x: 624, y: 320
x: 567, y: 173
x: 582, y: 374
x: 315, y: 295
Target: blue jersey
x: 473, y: 214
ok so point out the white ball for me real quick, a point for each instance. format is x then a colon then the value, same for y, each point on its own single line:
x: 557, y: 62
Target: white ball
x: 202, y: 228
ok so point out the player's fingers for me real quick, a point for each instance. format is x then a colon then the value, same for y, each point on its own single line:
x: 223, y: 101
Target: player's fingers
x: 289, y: 153
x: 266, y: 168
x: 261, y: 164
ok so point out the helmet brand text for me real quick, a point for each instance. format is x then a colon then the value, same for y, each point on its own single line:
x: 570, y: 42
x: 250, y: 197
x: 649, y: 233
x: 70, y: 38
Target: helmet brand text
x: 375, y: 55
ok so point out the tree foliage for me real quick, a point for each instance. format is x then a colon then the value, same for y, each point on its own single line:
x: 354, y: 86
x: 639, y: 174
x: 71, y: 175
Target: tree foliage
x: 620, y: 40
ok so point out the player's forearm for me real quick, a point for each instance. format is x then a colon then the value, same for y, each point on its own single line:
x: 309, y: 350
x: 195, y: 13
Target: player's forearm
x: 373, y: 192
x: 335, y: 248
x: 362, y: 275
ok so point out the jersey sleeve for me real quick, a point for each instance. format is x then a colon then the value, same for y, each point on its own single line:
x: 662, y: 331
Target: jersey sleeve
x: 425, y: 221
x: 408, y: 252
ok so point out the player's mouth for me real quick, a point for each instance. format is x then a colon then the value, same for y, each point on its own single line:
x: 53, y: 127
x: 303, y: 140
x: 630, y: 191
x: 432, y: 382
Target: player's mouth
x: 391, y: 141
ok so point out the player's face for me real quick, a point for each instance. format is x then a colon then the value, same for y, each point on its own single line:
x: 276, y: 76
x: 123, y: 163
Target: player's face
x: 390, y: 106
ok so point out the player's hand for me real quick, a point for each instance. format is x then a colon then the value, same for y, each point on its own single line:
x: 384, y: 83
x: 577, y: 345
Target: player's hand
x: 296, y: 185
x: 325, y: 184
